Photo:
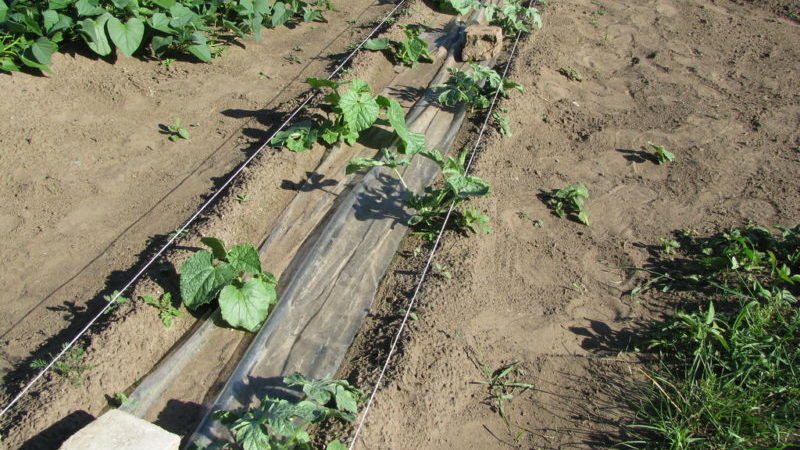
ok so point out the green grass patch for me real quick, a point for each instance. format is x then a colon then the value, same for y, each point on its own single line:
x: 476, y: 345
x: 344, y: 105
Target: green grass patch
x: 727, y: 374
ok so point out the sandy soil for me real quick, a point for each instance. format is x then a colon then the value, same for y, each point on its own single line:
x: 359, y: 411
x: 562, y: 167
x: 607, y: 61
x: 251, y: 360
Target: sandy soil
x: 92, y: 187
x: 717, y: 83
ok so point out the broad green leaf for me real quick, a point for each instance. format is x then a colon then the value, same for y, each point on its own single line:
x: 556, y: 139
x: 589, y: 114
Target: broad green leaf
x: 181, y: 16
x: 32, y: 63
x: 322, y: 82
x: 201, y: 280
x: 251, y: 433
x: 467, y: 186
x: 280, y: 14
x: 262, y: 7
x: 412, y: 142
x: 216, y: 245
x: 247, y: 306
x: 201, y: 51
x: 335, y: 445
x: 359, y: 86
x: 126, y: 36
x: 59, y: 4
x: 89, y: 8
x: 159, y: 21
x: 360, y: 109
x: 41, y: 51
x: 8, y: 65
x: 166, y: 4
x: 161, y: 43
x: 377, y: 44
x: 297, y: 138
x: 244, y: 258
x: 281, y: 415
x: 121, y: 4
x: 4, y: 11
x: 462, y: 6
x: 94, y: 34
x: 345, y: 400
x: 49, y: 18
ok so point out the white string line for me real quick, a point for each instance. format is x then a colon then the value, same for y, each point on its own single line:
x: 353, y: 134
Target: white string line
x: 194, y: 217
x: 426, y: 269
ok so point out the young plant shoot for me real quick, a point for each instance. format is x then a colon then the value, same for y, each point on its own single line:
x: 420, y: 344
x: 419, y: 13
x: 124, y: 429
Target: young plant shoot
x: 234, y: 278
x: 409, y: 52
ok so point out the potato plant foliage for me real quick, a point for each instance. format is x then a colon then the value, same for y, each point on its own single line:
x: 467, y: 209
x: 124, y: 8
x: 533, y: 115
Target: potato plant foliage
x: 32, y: 30
x: 234, y: 278
x: 282, y: 424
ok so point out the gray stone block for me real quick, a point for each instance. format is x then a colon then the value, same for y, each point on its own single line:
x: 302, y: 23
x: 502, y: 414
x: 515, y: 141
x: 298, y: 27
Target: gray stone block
x: 121, y: 431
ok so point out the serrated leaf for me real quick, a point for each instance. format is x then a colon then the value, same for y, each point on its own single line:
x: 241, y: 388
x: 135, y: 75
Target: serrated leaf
x: 322, y: 82
x: 467, y: 186
x: 94, y: 33
x: 244, y: 258
x: 360, y: 110
x: 247, y: 306
x: 357, y: 164
x: 217, y: 247
x: 345, y: 400
x: 377, y: 44
x: 412, y: 142
x: 251, y: 433
x: 126, y: 36
x: 201, y: 280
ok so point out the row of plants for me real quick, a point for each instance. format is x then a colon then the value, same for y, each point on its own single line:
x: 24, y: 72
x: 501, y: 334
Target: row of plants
x: 31, y: 31
x: 512, y: 16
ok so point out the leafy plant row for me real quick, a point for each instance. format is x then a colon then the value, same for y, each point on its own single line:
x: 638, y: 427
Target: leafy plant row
x: 31, y: 31
x: 513, y: 17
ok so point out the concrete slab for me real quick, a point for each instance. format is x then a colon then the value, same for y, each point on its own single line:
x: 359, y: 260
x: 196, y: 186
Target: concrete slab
x: 121, y: 431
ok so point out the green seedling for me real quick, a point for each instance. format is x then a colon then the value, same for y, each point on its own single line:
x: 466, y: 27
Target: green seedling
x: 263, y: 76
x: 166, y: 62
x: 432, y: 205
x: 409, y: 52
x: 166, y: 312
x: 475, y: 87
x: 178, y: 232
x: 242, y: 198
x: 69, y: 366
x: 349, y: 112
x: 502, y: 123
x: 283, y: 424
x: 571, y: 73
x: 177, y: 131
x: 498, y: 382
x: 411, y: 315
x: 513, y: 17
x: 244, y: 292
x: 442, y: 270
x: 668, y: 246
x: 570, y: 200
x: 119, y: 300
x: 661, y: 155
